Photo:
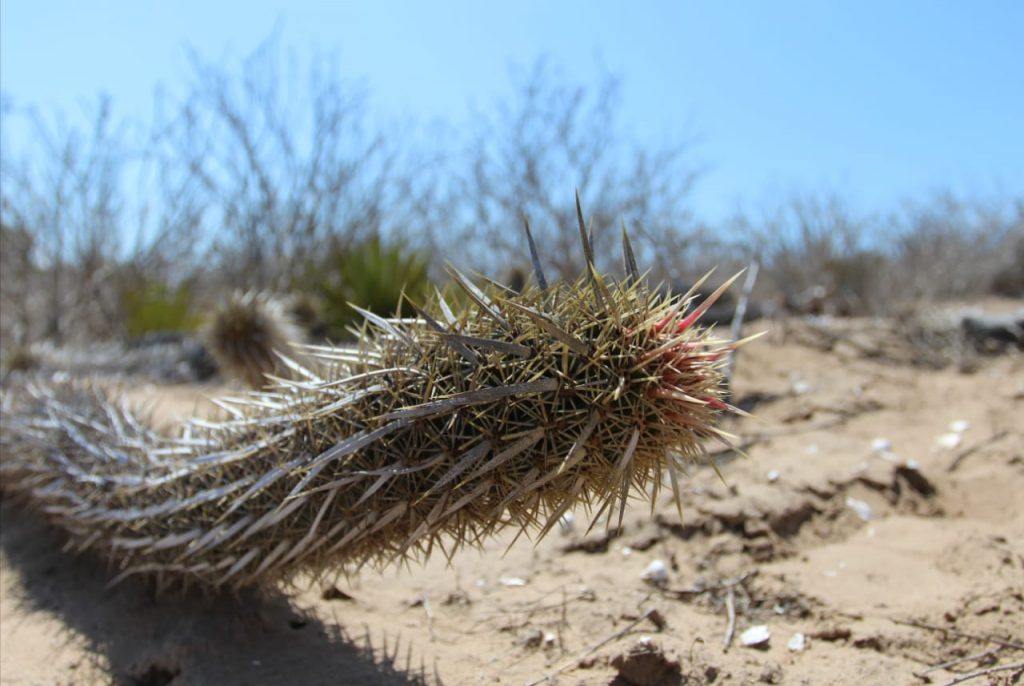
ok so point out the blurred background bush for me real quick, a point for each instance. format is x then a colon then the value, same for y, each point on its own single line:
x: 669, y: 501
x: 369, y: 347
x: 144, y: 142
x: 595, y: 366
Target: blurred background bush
x: 112, y: 231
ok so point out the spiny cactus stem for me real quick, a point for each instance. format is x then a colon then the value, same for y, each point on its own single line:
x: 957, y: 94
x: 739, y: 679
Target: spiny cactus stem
x: 433, y: 434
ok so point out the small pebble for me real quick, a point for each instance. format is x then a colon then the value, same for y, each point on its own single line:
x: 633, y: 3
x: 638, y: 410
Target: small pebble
x: 862, y: 509
x: 798, y: 643
x: 881, y: 445
x: 949, y: 441
x: 773, y: 475
x: 959, y: 426
x: 802, y: 388
x: 656, y: 572
x: 757, y: 635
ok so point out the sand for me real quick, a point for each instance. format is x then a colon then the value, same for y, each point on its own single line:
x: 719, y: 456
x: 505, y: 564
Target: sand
x: 887, y: 561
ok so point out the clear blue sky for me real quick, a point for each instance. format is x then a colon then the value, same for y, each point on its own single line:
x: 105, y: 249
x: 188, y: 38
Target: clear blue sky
x: 878, y: 101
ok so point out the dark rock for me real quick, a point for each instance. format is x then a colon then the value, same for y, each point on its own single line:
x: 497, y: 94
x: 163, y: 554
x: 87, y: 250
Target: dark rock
x: 646, y: 664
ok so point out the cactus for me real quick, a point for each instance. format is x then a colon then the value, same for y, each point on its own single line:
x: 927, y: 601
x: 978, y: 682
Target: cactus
x: 249, y: 334
x: 436, y: 432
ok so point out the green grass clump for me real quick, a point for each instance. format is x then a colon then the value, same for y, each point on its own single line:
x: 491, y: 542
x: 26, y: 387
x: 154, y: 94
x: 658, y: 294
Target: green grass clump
x: 156, y: 306
x: 373, y: 275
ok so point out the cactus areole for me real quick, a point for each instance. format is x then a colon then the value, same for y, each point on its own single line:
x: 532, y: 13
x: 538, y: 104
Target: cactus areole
x: 435, y: 433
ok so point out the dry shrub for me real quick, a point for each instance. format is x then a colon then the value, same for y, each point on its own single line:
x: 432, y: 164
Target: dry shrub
x: 820, y: 257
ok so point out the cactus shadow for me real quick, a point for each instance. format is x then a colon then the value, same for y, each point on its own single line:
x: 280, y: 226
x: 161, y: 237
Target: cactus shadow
x: 140, y: 639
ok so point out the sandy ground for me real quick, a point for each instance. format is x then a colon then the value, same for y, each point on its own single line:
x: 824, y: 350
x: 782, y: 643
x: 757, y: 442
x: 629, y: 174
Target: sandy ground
x: 851, y: 524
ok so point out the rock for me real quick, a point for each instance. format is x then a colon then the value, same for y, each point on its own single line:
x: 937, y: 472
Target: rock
x: 656, y: 573
x: 335, y: 593
x: 959, y: 426
x: 994, y: 331
x: 915, y: 479
x: 771, y: 674
x: 532, y: 640
x: 860, y: 507
x: 645, y: 664
x: 833, y: 633
x: 593, y: 544
x: 787, y: 520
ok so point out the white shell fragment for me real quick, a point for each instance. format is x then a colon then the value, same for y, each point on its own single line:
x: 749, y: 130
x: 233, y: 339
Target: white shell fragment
x: 949, y: 441
x: 860, y: 507
x: 881, y: 445
x: 959, y: 426
x: 802, y: 388
x: 511, y: 581
x: 798, y: 643
x: 656, y: 572
x: 773, y: 475
x: 757, y: 635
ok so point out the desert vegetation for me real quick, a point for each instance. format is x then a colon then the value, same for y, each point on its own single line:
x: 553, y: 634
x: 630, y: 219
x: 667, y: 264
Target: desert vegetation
x: 275, y: 176
x: 874, y: 526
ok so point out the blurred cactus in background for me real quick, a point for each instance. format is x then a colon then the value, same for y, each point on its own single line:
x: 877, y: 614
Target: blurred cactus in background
x: 247, y: 336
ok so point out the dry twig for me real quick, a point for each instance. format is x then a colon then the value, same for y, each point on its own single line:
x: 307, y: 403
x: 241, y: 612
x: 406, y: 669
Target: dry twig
x: 985, y: 672
x: 976, y: 637
x: 727, y: 584
x: 597, y: 646
x: 964, y: 454
x: 959, y: 661
x: 730, y: 611
x: 737, y: 320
